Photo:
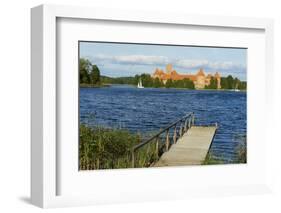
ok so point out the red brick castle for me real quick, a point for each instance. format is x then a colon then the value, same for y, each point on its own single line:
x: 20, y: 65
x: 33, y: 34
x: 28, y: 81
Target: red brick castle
x: 200, y: 79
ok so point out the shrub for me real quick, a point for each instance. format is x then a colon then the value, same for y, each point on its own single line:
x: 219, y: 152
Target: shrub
x: 101, y: 148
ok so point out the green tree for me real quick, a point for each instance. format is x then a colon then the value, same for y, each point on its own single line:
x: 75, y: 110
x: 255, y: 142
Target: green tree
x: 224, y: 83
x: 136, y: 79
x: 84, y: 70
x: 169, y: 83
x: 190, y: 84
x: 157, y: 83
x: 146, y: 79
x: 236, y: 83
x: 233, y: 83
x: 242, y: 85
x: 213, y: 84
x: 230, y: 82
x: 95, y: 75
x: 227, y: 82
x: 177, y: 84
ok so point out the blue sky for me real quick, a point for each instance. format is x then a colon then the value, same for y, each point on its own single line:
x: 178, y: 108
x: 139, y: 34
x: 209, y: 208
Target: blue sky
x: 116, y: 59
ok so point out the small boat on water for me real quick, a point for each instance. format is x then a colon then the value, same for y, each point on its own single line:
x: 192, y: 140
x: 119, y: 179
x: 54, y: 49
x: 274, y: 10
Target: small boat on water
x: 140, y: 85
x: 236, y: 88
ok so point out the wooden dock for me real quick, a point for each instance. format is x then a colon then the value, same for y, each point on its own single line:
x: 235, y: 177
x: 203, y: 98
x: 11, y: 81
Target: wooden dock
x: 191, y: 149
x: 180, y: 143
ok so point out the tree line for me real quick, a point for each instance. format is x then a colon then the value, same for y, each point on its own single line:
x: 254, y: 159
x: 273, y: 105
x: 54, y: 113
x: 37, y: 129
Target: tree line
x: 227, y: 83
x: 90, y: 76
x: 233, y: 83
x: 148, y: 81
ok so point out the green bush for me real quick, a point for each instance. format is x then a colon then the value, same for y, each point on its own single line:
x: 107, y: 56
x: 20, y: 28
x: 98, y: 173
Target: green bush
x: 240, y: 152
x: 211, y: 160
x: 102, y: 148
x: 241, y: 149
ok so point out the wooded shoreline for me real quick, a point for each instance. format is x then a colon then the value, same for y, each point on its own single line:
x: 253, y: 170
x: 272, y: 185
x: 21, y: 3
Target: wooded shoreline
x: 109, y: 85
x: 90, y: 77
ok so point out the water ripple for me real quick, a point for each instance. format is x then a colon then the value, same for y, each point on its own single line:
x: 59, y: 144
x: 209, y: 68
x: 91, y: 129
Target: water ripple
x: 148, y: 110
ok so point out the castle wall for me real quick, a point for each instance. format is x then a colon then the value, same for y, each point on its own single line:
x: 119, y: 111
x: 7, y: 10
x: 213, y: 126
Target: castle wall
x: 200, y: 80
x: 219, y: 83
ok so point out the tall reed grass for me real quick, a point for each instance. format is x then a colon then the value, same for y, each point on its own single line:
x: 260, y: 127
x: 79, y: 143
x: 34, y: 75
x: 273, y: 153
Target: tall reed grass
x: 240, y: 151
x: 103, y: 148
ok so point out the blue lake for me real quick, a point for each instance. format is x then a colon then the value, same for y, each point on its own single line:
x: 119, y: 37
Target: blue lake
x: 149, y: 109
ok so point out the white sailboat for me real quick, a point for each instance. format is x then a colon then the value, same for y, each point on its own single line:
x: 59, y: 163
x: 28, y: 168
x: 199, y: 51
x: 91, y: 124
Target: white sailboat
x: 236, y: 89
x: 140, y: 84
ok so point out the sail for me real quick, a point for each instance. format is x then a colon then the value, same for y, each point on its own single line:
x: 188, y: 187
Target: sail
x: 140, y: 84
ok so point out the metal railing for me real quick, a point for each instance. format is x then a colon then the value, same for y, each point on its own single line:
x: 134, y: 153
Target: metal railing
x: 149, y: 151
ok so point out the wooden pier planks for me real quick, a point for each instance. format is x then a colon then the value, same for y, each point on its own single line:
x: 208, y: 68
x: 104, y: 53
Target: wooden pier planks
x: 190, y: 149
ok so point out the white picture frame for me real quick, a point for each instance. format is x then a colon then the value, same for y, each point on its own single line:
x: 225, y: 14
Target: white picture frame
x: 44, y: 155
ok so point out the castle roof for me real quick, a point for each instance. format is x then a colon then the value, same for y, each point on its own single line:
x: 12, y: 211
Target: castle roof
x: 217, y: 75
x: 169, y: 68
x: 200, y: 73
x: 190, y: 77
x: 158, y: 72
x: 174, y: 72
x: 174, y: 75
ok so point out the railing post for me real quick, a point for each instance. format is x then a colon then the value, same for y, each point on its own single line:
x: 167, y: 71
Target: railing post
x: 157, y: 147
x: 167, y: 140
x: 175, y: 134
x: 181, y: 133
x: 133, y: 158
x: 193, y: 119
x: 185, y: 125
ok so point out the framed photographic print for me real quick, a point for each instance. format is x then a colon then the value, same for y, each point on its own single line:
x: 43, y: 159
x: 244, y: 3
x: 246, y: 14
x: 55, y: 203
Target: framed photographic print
x: 149, y: 106
x: 133, y: 95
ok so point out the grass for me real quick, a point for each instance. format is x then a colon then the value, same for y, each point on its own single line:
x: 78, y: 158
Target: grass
x: 84, y: 85
x: 211, y: 160
x: 240, y: 150
x: 103, y: 148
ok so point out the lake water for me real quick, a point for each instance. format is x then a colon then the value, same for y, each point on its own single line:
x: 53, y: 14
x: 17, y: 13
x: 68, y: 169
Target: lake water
x: 149, y: 109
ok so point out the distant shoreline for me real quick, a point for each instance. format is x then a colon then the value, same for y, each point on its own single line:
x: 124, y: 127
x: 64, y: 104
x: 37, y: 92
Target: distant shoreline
x: 93, y: 85
x: 109, y: 85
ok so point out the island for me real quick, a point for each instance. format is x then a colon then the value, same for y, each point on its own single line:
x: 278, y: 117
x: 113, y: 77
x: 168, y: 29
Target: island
x: 90, y: 76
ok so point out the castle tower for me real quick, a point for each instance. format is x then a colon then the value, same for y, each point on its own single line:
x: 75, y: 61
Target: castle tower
x: 200, y: 80
x: 169, y: 68
x: 200, y: 72
x: 218, y: 77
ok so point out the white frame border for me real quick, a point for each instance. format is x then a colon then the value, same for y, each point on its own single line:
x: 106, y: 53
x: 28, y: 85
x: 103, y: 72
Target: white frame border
x: 43, y: 89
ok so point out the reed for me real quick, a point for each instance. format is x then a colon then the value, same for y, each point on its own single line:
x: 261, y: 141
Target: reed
x: 211, y: 160
x: 103, y: 148
x: 241, y: 149
x: 240, y: 152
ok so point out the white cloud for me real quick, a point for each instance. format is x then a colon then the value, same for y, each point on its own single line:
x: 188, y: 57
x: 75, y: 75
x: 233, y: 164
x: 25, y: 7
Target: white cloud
x: 133, y: 59
x: 163, y: 60
x: 190, y: 64
x: 205, y: 64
